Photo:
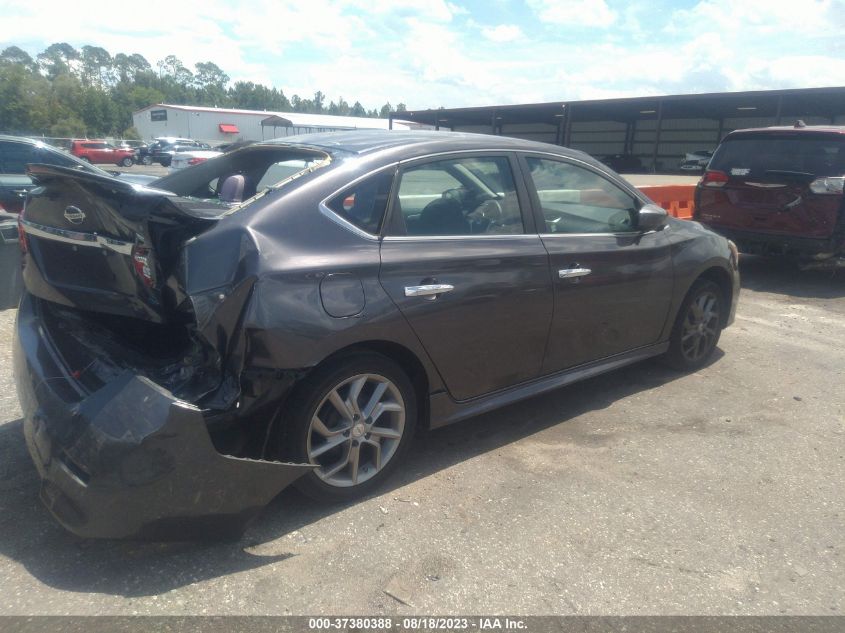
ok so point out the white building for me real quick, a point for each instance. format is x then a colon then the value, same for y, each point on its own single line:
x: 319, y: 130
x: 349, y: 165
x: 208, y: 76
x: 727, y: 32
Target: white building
x: 221, y: 124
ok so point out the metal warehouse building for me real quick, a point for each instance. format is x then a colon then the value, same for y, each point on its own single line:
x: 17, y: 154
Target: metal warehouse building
x: 219, y: 124
x: 657, y: 130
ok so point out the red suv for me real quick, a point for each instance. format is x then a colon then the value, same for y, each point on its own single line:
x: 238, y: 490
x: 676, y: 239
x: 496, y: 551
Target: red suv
x: 779, y: 191
x: 100, y: 152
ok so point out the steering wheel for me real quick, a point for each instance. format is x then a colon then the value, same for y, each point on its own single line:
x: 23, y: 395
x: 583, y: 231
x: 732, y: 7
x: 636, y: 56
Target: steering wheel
x: 489, y: 210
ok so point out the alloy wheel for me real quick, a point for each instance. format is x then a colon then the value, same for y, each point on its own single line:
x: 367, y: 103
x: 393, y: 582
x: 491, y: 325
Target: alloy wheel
x: 701, y: 326
x: 356, y: 430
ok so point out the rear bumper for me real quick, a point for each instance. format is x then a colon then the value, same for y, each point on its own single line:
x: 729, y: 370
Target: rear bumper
x: 130, y: 460
x: 770, y: 243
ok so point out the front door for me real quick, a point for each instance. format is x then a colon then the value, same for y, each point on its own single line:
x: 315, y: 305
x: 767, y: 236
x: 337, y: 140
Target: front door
x: 463, y: 262
x: 612, y: 282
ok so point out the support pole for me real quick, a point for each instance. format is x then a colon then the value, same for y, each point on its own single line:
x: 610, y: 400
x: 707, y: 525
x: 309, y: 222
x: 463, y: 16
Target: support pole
x: 657, y: 137
x: 569, y: 111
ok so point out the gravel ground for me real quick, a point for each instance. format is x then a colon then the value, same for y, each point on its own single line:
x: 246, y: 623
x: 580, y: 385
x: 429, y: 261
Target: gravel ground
x: 638, y: 492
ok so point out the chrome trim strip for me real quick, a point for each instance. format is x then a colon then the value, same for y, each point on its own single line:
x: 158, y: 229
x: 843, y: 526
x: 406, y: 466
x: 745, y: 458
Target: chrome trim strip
x: 619, y: 234
x: 77, y: 238
x: 337, y: 219
x: 767, y: 185
x: 482, y: 236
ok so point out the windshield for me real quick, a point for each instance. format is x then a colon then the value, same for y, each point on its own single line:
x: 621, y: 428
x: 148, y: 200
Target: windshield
x: 757, y: 156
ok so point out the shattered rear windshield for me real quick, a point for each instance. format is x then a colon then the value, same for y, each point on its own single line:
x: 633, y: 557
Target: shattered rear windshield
x: 239, y: 177
x: 753, y: 156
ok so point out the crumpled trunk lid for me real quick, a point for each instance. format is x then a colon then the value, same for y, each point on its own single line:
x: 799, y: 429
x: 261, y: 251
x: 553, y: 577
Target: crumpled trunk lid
x: 103, y: 245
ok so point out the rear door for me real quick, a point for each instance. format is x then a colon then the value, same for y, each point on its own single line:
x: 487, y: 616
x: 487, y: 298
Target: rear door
x: 612, y: 282
x: 760, y: 182
x: 463, y: 262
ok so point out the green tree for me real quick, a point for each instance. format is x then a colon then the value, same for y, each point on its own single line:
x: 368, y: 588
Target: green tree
x: 15, y: 55
x: 97, y: 66
x: 58, y: 59
x: 68, y: 127
x: 65, y: 92
x: 319, y: 101
x: 209, y: 74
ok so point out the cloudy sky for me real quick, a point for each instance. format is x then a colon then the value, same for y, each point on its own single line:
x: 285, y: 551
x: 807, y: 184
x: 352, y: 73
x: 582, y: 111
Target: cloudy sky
x: 430, y: 53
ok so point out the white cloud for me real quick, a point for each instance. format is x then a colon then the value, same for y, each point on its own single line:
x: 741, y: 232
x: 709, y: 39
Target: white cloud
x: 594, y: 13
x: 438, y: 53
x: 762, y: 17
x: 502, y: 33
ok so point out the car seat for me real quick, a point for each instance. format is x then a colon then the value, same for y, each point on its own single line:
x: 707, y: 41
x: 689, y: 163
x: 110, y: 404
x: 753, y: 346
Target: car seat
x: 232, y: 189
x: 442, y: 217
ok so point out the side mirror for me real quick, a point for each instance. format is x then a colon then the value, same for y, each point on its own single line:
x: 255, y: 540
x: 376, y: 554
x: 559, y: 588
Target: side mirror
x: 651, y: 218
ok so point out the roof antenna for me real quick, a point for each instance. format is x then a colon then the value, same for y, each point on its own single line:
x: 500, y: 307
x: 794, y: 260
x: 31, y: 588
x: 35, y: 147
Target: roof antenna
x: 800, y: 123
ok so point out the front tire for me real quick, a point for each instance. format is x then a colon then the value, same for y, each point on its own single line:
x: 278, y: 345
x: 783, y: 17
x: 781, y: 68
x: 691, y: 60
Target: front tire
x: 127, y: 162
x: 697, y: 327
x: 354, y: 420
x: 146, y: 160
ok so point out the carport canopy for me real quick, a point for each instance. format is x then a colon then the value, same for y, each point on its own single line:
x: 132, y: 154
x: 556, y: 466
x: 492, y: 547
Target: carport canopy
x: 276, y: 121
x: 657, y: 130
x: 781, y: 104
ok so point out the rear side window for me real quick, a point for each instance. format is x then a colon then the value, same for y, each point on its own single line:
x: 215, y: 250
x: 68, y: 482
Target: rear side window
x: 364, y: 203
x: 14, y: 157
x: 754, y: 156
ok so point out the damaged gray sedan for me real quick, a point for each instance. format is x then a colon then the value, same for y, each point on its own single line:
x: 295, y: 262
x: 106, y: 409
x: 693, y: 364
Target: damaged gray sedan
x: 292, y: 311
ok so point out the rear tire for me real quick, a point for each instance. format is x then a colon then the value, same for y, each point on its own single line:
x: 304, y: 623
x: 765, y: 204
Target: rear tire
x: 697, y: 327
x: 146, y: 160
x: 354, y: 419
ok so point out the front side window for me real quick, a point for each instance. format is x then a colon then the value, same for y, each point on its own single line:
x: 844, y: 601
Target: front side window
x: 577, y: 200
x: 460, y: 196
x: 364, y: 203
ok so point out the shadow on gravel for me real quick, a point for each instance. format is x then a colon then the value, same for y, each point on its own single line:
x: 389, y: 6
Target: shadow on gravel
x: 781, y: 276
x: 60, y: 560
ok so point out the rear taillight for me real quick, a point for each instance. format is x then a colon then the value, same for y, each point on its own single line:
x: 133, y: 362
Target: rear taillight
x: 832, y: 185
x: 142, y: 264
x: 713, y: 178
x: 196, y: 161
x: 23, y: 241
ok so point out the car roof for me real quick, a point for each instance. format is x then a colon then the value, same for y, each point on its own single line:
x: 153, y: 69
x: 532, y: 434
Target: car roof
x: 418, y: 141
